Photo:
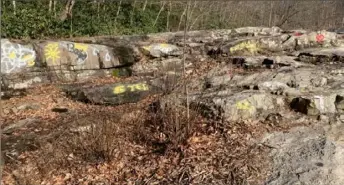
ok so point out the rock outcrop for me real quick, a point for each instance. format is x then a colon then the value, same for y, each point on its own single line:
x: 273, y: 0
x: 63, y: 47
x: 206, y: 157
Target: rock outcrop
x: 26, y: 64
x: 253, y: 73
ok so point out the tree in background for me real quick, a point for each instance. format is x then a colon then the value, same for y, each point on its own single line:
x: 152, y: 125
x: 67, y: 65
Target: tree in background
x: 64, y: 18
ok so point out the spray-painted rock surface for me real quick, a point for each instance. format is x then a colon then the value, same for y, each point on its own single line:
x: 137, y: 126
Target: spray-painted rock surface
x: 112, y: 94
x: 78, y: 56
x: 35, y: 62
x: 15, y: 57
x: 252, y: 75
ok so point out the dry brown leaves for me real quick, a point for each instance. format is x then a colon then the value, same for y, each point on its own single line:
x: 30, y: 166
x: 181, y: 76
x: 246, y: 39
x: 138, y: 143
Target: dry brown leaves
x: 211, y: 156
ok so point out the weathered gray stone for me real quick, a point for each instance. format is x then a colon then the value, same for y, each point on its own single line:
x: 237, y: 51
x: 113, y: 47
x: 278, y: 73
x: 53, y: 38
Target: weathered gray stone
x: 238, y: 106
x: 28, y: 106
x: 303, y: 78
x: 305, y: 156
x: 112, y: 94
x: 161, y: 50
x: 273, y: 86
x: 287, y: 61
x: 322, y: 55
x: 315, y: 105
x: 20, y: 124
x: 158, y: 67
x: 259, y: 30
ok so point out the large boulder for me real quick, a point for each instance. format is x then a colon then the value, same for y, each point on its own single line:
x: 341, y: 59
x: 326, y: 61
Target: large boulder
x: 61, y: 55
x: 25, y: 65
x: 80, y: 56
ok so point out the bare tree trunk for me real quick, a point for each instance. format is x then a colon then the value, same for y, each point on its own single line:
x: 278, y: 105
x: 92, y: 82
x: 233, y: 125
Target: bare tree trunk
x: 270, y: 16
x: 157, y: 17
x: 168, y: 16
x: 288, y: 13
x: 145, y: 5
x: 14, y: 6
x: 118, y: 10
x: 54, y: 7
x: 71, y: 25
x: 1, y: 153
x: 132, y: 13
x: 98, y: 9
x: 225, y: 11
x: 181, y: 18
x: 50, y: 5
x: 184, y: 68
x: 192, y: 10
x: 201, y: 15
x: 68, y: 10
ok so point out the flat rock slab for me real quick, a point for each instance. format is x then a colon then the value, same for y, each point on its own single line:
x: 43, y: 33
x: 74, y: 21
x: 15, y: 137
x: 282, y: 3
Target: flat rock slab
x: 319, y: 55
x: 325, y: 51
x: 20, y: 124
x: 112, y: 94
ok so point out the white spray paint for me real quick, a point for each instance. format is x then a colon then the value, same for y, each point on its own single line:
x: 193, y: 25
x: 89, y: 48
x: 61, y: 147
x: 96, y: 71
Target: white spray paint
x: 321, y: 103
x: 15, y: 56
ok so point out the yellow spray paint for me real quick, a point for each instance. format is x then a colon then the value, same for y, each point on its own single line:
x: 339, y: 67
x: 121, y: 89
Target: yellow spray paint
x: 250, y: 46
x: 163, y: 45
x: 142, y: 87
x: 52, y: 52
x: 244, y: 105
x: 119, y: 89
x: 31, y: 63
x: 12, y: 55
x: 147, y: 47
x: 82, y: 47
x: 131, y: 87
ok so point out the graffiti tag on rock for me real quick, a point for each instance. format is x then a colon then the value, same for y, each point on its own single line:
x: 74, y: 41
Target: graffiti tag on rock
x: 16, y: 56
x: 248, y: 45
x: 320, y: 38
x: 244, y: 105
x: 95, y: 51
x: 80, y: 50
x: 298, y: 34
x: 52, y: 52
x: 107, y: 57
x: 130, y: 87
